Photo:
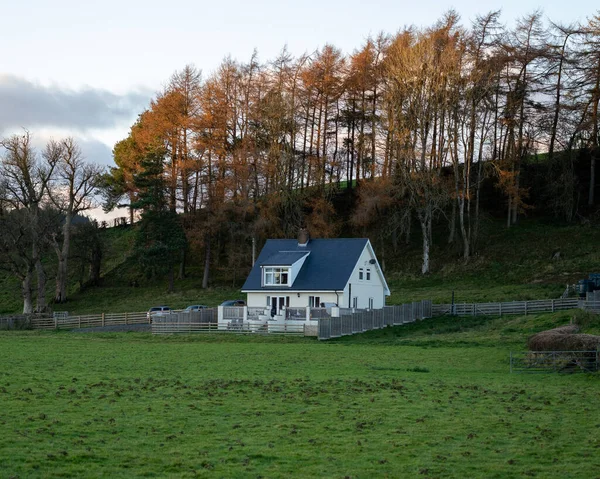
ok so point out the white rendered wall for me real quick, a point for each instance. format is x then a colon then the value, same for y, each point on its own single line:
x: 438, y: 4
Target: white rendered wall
x: 297, y: 299
x: 364, y: 289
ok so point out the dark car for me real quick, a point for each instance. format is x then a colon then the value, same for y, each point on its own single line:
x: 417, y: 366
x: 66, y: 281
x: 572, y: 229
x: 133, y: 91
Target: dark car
x: 194, y: 307
x: 234, y: 302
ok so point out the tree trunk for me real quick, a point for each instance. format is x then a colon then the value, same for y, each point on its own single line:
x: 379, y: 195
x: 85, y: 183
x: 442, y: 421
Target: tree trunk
x: 423, y: 220
x: 182, y: 264
x: 95, y: 265
x: 171, y: 279
x: 41, y: 305
x: 452, y: 232
x: 60, y: 295
x: 206, y: 262
x: 26, y: 291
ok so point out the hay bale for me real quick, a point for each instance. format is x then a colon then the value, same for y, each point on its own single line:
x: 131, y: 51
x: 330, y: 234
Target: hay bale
x: 566, y: 329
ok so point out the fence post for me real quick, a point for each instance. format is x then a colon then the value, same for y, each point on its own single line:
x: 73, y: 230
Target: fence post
x: 102, y: 319
x: 500, y: 309
x: 552, y: 305
x: 79, y: 321
x: 126, y: 318
x: 525, y: 308
x: 55, y: 322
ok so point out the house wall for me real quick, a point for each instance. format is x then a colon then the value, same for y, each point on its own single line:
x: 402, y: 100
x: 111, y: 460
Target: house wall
x: 259, y: 300
x: 361, y: 289
x: 364, y: 289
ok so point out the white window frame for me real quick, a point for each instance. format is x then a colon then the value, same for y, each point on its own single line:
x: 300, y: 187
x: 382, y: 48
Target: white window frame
x: 368, y: 274
x: 371, y: 303
x: 361, y: 274
x: 274, y: 275
x: 355, y: 302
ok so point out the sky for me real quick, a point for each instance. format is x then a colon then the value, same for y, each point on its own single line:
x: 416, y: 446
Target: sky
x: 87, y: 69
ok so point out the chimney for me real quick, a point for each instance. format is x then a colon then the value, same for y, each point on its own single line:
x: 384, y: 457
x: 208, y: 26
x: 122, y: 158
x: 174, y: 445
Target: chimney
x: 303, y: 237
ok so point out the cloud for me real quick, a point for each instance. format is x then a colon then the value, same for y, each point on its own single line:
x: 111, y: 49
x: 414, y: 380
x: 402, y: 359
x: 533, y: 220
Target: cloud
x: 30, y: 105
x: 96, y: 152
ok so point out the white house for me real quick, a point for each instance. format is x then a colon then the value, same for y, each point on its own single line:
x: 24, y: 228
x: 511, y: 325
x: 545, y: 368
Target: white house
x: 312, y: 272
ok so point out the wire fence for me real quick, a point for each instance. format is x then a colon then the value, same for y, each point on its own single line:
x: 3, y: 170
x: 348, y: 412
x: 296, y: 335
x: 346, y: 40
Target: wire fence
x: 508, y: 308
x: 325, y: 323
x: 359, y: 321
x: 554, y: 361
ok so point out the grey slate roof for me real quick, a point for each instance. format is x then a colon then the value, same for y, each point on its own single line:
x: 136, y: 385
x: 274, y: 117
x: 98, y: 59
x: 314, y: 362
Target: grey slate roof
x: 284, y: 258
x: 327, y: 268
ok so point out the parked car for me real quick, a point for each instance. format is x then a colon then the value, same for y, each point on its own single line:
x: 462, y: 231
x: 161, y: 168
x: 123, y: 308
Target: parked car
x: 194, y: 307
x: 234, y: 302
x: 157, y: 311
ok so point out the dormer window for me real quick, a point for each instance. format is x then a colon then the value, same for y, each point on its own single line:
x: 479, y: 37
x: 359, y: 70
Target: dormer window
x: 276, y: 276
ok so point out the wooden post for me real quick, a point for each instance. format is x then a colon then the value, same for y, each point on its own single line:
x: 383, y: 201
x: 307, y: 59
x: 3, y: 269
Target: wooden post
x: 500, y: 304
x: 79, y: 318
x: 525, y: 308
x: 126, y: 318
x: 102, y: 319
x: 552, y: 305
x: 55, y: 322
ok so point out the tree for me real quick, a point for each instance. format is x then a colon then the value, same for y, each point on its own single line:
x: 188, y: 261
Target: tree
x: 26, y: 182
x: 160, y: 236
x: 72, y: 193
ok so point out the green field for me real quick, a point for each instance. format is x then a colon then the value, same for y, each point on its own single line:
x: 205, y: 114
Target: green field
x: 431, y: 399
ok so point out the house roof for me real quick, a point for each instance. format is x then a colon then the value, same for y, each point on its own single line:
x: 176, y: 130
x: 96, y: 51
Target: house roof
x: 327, y: 268
x: 284, y: 258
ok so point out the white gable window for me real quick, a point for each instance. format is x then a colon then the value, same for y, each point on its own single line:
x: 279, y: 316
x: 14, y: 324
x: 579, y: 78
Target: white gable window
x: 361, y: 273
x: 276, y: 276
x: 368, y: 274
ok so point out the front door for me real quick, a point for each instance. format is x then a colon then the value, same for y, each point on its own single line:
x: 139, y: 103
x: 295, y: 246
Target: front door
x: 279, y: 302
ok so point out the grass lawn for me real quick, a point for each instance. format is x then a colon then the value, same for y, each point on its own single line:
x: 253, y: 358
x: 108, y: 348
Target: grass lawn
x: 432, y: 399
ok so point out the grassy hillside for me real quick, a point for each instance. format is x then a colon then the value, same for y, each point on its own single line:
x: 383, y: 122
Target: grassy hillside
x: 510, y: 264
x: 430, y: 399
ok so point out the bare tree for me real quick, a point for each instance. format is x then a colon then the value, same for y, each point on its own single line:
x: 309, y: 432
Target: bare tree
x: 72, y: 192
x: 26, y: 183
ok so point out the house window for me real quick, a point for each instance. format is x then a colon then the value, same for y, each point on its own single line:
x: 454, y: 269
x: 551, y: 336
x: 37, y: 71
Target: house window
x: 360, y: 273
x: 268, y: 300
x: 370, y: 303
x: 368, y: 274
x: 355, y: 302
x: 314, y: 301
x: 276, y: 276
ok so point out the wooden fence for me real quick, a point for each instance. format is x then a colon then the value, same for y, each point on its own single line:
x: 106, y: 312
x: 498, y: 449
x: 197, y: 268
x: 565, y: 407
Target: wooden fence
x: 89, y: 320
x: 507, y: 308
x: 203, y: 320
x: 358, y: 321
x: 349, y: 321
x: 20, y: 321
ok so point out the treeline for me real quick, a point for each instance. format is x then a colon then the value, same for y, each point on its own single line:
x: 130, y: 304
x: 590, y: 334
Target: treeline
x: 41, y: 198
x: 256, y: 149
x: 398, y: 137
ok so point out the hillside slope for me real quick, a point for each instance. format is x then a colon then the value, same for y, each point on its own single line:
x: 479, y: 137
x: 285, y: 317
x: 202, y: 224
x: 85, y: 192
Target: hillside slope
x: 510, y: 264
